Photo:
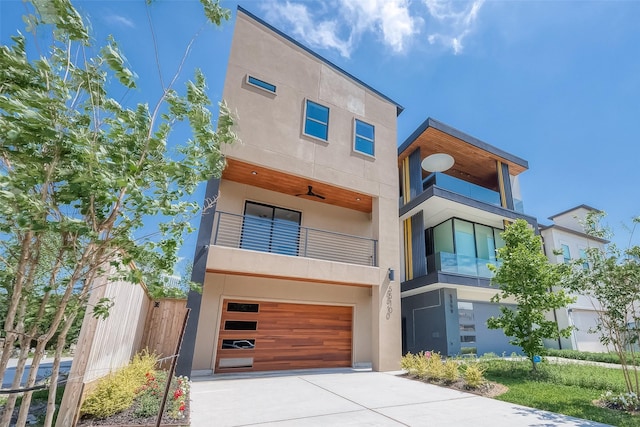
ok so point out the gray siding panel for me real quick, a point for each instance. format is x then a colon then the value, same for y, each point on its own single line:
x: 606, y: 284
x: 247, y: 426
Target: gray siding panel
x: 419, y: 256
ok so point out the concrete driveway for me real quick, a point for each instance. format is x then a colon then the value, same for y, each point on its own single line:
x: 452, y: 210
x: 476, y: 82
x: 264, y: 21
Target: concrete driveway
x: 351, y: 398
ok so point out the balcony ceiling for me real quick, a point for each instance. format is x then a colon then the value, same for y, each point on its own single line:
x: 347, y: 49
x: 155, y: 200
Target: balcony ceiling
x: 269, y: 179
x: 472, y: 163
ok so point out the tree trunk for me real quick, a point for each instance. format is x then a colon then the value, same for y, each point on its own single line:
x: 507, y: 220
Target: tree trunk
x: 31, y: 380
x: 10, y: 404
x: 16, y: 296
x: 55, y: 370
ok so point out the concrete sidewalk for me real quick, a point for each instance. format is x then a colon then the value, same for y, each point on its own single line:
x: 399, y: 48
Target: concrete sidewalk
x: 352, y: 398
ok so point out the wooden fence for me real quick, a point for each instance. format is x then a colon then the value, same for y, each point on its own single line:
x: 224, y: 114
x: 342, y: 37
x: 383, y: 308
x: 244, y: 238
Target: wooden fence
x: 162, y: 327
x: 135, y: 322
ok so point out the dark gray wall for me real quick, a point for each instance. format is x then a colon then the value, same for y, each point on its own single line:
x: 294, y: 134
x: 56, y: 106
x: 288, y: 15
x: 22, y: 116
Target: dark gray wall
x: 419, y: 255
x: 506, y: 182
x: 194, y: 299
x: 427, y: 317
x: 415, y: 174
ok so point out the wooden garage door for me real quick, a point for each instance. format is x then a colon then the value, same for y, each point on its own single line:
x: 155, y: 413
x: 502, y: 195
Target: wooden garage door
x: 263, y: 336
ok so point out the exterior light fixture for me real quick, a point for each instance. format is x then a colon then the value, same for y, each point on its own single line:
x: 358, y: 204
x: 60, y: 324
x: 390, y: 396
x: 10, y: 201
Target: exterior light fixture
x: 392, y: 274
x: 254, y: 173
x: 438, y: 162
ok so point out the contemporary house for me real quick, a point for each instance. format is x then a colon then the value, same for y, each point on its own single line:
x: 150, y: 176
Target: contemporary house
x: 299, y: 259
x: 457, y: 194
x: 566, y: 236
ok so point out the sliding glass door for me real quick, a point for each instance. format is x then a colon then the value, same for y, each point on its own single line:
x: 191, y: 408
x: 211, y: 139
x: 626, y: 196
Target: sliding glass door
x: 270, y: 229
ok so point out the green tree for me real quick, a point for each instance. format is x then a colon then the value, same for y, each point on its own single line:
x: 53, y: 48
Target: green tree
x: 80, y: 174
x: 612, y: 281
x: 527, y: 277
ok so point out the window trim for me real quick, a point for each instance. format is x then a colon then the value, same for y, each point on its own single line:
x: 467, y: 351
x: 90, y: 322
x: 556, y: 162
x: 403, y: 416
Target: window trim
x: 257, y: 85
x: 355, y: 135
x: 305, y: 118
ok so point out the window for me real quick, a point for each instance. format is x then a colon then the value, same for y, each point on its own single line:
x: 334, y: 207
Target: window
x: 261, y: 84
x: 270, y: 229
x: 364, y: 139
x: 583, y: 256
x: 316, y: 121
x: 465, y: 247
x: 566, y: 255
x: 243, y: 307
x: 240, y: 325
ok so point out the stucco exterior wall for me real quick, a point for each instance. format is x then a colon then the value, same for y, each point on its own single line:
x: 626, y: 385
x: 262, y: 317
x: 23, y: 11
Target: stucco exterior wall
x: 270, y: 127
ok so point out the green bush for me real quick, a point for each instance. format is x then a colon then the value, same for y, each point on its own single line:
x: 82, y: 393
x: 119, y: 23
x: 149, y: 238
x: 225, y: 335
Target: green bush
x: 434, y: 368
x: 451, y: 373
x: 593, y: 357
x: 473, y: 375
x: 624, y: 401
x: 408, y: 363
x: 117, y: 392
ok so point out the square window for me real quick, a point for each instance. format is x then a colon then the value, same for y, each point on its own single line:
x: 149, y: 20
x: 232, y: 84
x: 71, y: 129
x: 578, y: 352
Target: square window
x: 364, y: 139
x: 261, y: 84
x: 316, y: 122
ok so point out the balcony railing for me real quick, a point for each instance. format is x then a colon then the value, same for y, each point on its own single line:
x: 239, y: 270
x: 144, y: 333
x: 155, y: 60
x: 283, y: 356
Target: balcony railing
x: 288, y: 238
x: 461, y: 264
x: 462, y: 187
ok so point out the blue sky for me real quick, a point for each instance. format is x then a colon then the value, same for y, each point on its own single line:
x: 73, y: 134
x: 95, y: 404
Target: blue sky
x: 554, y: 82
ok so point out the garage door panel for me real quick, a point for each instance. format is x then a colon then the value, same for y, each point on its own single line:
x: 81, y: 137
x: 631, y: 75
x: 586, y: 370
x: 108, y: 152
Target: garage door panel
x: 287, y: 336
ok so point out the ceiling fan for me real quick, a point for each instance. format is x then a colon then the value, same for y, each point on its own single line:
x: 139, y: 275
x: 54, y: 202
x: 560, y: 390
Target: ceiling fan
x: 311, y: 193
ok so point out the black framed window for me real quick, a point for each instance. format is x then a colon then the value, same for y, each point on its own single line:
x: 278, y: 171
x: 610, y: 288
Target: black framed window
x: 269, y: 228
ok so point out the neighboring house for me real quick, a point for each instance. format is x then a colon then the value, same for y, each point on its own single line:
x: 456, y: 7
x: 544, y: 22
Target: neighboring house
x: 567, y: 237
x: 457, y: 194
x: 300, y: 256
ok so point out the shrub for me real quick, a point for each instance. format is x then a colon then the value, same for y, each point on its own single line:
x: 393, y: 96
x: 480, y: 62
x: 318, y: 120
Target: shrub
x: 147, y: 402
x: 624, y: 401
x: 117, y: 392
x: 592, y: 357
x: 450, y: 371
x: 473, y: 375
x: 434, y: 369
x: 408, y: 363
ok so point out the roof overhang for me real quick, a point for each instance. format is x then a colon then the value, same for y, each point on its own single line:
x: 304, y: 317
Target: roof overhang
x: 475, y: 160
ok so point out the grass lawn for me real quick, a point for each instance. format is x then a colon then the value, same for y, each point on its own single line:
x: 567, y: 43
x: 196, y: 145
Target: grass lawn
x: 565, y: 389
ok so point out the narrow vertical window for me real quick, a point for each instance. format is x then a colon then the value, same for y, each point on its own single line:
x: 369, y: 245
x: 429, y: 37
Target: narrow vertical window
x: 316, y: 121
x: 583, y: 256
x: 566, y: 255
x: 364, y: 139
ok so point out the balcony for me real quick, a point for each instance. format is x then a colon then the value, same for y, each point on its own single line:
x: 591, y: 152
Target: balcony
x: 460, y: 264
x: 464, y: 188
x: 467, y: 189
x: 288, y: 238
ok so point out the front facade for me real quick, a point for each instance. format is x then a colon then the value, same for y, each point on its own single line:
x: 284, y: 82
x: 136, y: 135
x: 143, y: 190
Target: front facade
x: 298, y: 271
x: 457, y: 194
x: 566, y: 236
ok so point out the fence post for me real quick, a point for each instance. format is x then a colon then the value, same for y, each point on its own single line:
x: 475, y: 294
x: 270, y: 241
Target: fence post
x: 172, y: 369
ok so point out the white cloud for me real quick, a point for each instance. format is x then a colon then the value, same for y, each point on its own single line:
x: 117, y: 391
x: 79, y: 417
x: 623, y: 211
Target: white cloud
x: 388, y: 19
x: 341, y: 24
x: 316, y: 33
x: 452, y: 21
x: 113, y: 19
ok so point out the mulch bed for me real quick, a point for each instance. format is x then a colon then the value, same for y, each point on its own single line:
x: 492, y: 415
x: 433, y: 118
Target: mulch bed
x: 126, y: 419
x: 488, y: 389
